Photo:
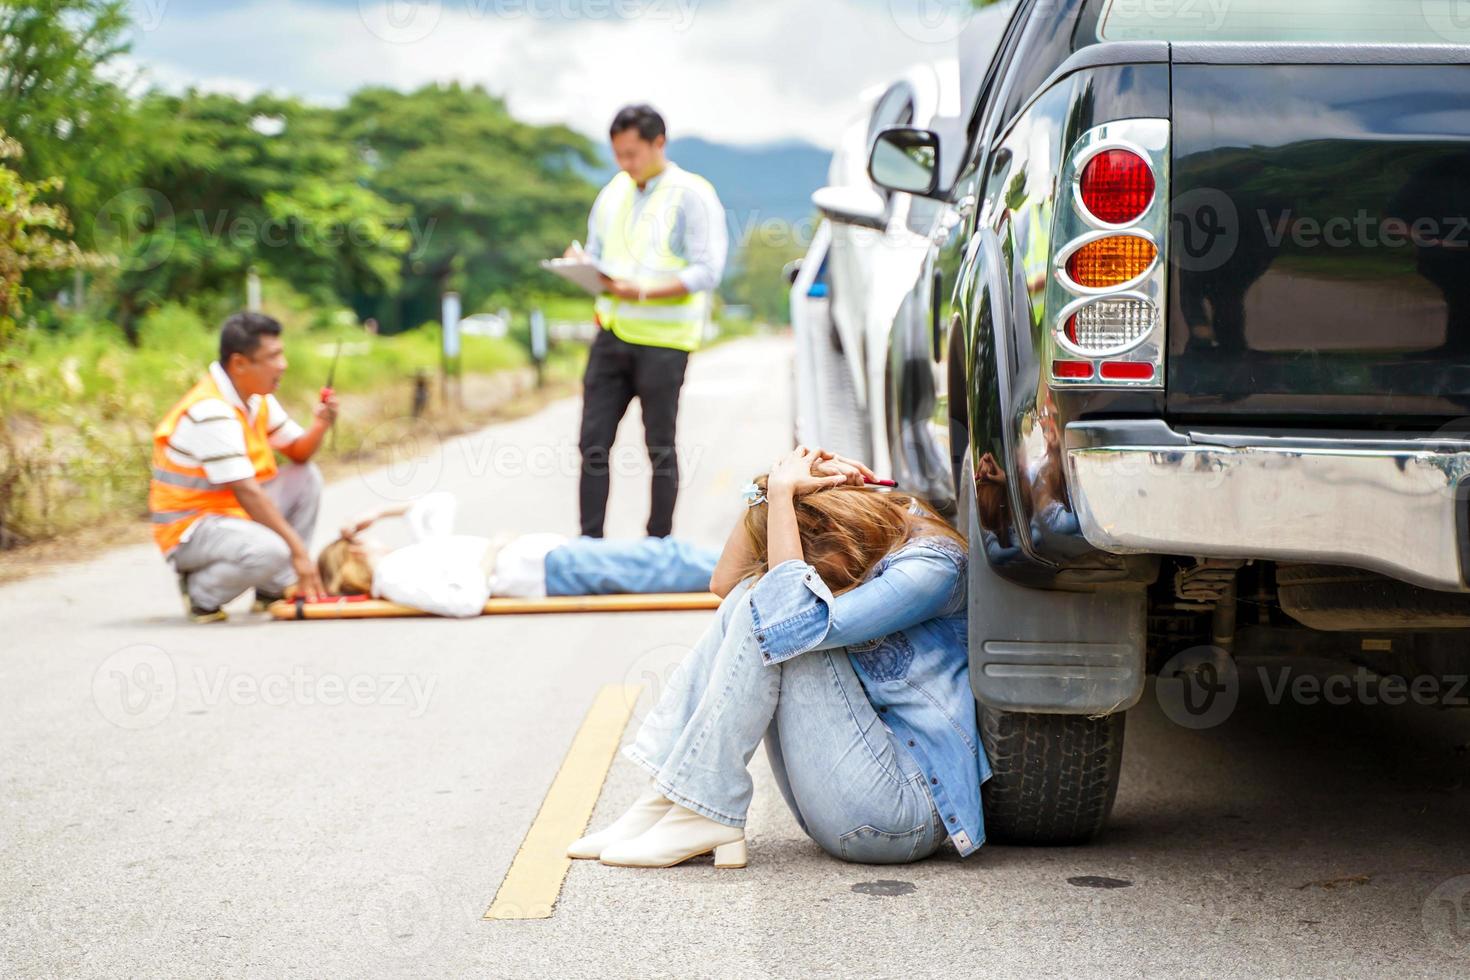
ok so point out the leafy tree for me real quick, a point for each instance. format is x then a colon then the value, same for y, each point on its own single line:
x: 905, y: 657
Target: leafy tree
x: 33, y: 235
x: 56, y: 100
x: 489, y: 195
x: 228, y: 184
x: 758, y: 279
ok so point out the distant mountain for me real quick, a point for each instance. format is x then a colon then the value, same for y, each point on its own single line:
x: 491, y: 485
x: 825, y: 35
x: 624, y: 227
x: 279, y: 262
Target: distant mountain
x: 755, y: 183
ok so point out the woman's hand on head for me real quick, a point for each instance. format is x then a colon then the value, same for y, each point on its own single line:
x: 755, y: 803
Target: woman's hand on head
x: 833, y: 464
x: 796, y: 473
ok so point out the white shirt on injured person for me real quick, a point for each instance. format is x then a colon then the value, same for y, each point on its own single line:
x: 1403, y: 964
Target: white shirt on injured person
x: 446, y: 573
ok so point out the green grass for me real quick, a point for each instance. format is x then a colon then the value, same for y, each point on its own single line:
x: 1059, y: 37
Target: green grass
x: 92, y: 371
x: 78, y: 405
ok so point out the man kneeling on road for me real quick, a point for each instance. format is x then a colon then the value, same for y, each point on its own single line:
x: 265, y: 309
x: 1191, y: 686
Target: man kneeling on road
x: 225, y: 516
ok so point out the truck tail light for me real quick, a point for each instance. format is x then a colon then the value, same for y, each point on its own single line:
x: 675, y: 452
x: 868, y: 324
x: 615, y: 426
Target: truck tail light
x: 1111, y: 261
x: 1127, y: 370
x: 1110, y: 325
x: 1107, y: 287
x: 1072, y: 369
x: 1117, y: 186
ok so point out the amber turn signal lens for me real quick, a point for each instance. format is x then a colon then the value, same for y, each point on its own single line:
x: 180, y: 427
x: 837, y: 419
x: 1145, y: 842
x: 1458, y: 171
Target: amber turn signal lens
x: 1111, y: 261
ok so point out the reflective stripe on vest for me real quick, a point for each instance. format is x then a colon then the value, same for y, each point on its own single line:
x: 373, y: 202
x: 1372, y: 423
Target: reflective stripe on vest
x: 179, y: 495
x: 642, y: 251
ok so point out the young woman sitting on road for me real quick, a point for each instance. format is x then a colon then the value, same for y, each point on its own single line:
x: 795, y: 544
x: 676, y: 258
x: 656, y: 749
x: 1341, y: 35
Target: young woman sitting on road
x: 842, y: 642
x: 452, y: 574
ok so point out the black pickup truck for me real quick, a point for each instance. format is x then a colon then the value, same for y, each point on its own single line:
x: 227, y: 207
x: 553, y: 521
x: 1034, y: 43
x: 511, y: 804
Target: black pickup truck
x: 1204, y: 311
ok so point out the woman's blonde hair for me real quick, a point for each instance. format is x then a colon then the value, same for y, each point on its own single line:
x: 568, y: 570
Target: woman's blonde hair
x: 844, y: 531
x: 343, y: 570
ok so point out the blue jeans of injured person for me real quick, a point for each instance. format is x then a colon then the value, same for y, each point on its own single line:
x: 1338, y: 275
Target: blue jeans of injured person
x: 602, y: 566
x: 851, y: 786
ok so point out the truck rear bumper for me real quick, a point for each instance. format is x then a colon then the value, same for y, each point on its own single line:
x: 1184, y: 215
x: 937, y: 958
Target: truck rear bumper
x: 1392, y: 505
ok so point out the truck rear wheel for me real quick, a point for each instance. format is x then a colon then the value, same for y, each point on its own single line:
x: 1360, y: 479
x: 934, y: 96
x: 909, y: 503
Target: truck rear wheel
x: 1053, y: 776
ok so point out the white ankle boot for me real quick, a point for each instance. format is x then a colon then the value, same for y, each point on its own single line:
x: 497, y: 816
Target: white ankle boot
x: 680, y: 835
x: 644, y: 813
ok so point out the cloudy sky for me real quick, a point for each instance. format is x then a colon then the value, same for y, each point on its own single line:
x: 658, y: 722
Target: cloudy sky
x: 735, y: 71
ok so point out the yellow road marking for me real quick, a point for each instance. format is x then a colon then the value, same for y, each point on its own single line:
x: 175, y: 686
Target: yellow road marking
x: 533, y: 883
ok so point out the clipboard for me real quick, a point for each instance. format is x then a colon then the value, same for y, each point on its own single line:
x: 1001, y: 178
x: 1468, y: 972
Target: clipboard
x: 583, y: 272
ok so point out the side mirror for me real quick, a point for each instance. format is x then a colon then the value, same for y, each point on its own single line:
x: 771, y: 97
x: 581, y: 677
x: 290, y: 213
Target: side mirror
x: 906, y: 159
x: 859, y: 206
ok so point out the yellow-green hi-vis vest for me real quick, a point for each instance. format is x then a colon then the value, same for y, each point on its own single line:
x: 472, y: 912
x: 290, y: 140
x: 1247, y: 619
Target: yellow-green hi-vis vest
x: 642, y: 251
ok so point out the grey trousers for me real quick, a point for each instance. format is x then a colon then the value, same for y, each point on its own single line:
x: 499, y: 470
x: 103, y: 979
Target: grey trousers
x: 224, y: 556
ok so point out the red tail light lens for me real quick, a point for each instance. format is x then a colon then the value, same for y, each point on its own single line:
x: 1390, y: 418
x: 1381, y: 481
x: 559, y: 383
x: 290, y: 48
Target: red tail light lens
x: 1127, y: 371
x: 1117, y: 186
x: 1075, y: 370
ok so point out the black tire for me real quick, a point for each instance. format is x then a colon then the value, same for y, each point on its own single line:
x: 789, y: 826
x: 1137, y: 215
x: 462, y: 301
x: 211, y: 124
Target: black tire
x: 1053, y: 776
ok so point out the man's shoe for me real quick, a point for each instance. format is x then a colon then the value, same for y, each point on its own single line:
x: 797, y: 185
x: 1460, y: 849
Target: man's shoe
x: 646, y: 811
x: 198, y: 614
x: 680, y: 835
x: 263, y: 600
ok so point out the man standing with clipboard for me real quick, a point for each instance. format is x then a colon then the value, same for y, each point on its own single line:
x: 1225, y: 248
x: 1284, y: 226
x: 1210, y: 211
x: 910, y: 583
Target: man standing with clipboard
x: 658, y: 233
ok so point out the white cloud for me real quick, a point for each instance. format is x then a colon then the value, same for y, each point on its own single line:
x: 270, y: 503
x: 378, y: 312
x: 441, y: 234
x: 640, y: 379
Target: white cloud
x: 735, y: 72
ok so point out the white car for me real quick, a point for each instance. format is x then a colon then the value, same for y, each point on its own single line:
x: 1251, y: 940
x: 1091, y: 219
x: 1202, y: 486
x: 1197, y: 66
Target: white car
x: 866, y: 379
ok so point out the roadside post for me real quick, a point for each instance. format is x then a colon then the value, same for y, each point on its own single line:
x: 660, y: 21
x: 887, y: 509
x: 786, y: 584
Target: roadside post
x: 450, y: 362
x: 538, y: 345
x: 252, y: 290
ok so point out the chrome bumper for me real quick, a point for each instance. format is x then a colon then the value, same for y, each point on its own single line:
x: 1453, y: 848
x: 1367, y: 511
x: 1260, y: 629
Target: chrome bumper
x: 1390, y: 505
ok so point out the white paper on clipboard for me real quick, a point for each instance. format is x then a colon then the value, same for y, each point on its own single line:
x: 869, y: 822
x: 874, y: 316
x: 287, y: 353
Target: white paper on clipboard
x: 582, y: 271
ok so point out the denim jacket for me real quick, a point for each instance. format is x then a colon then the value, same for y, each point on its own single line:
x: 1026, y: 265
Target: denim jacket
x: 904, y: 628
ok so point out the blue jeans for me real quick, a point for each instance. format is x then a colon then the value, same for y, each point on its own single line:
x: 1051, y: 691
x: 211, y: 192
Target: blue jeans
x: 599, y: 566
x: 852, y: 787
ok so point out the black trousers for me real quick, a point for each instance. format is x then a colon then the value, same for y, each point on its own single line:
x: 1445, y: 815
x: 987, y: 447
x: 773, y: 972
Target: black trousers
x: 616, y: 372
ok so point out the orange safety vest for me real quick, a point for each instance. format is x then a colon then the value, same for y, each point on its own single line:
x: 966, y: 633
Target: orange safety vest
x: 180, y: 495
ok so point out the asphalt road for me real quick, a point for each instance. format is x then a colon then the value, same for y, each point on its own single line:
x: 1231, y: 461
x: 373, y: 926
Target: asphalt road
x: 344, y: 799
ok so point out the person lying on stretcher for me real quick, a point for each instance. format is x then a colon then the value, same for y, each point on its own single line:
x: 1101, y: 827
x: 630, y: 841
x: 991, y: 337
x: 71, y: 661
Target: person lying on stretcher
x: 452, y: 574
